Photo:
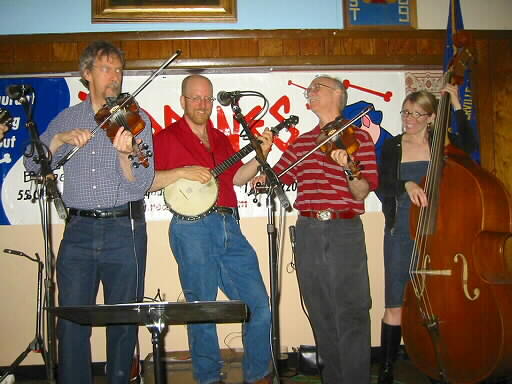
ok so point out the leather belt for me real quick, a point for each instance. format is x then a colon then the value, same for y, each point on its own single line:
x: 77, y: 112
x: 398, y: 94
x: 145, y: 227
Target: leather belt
x: 135, y: 207
x: 328, y: 214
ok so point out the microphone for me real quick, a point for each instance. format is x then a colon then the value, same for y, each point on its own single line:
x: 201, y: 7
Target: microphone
x: 226, y: 98
x: 13, y: 252
x: 18, y: 253
x: 18, y: 92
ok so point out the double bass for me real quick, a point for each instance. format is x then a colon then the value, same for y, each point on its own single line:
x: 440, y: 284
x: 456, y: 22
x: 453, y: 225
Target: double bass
x: 457, y: 312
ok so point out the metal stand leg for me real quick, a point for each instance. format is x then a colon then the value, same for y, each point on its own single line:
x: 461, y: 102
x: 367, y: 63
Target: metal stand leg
x: 274, y: 281
x: 37, y: 344
x: 156, y: 336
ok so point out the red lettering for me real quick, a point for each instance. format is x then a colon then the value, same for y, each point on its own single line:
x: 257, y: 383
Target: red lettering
x: 170, y: 116
x: 223, y: 126
x: 283, y: 102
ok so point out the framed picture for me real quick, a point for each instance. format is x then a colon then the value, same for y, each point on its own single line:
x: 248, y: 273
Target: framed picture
x: 379, y: 14
x: 122, y: 11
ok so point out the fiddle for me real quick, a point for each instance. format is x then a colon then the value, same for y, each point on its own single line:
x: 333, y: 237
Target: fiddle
x: 123, y: 111
x: 345, y: 140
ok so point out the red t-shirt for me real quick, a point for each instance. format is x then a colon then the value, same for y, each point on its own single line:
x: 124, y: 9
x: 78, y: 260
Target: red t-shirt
x: 177, y: 146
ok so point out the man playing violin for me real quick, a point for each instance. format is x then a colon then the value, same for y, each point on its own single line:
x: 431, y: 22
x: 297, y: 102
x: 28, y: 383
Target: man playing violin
x: 211, y: 250
x: 330, y: 244
x: 105, y: 237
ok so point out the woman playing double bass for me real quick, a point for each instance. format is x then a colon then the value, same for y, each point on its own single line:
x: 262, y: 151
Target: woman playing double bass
x: 404, y: 163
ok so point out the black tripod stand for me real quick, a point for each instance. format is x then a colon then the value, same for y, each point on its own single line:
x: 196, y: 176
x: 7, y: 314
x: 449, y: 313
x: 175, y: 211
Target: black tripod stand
x: 37, y: 344
x: 47, y: 192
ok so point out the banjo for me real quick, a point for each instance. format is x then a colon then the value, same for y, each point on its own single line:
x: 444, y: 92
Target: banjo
x: 192, y: 200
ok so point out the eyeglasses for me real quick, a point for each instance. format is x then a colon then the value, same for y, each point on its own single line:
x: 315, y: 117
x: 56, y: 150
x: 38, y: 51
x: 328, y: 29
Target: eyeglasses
x: 198, y: 99
x: 315, y: 87
x: 107, y: 70
x: 416, y: 115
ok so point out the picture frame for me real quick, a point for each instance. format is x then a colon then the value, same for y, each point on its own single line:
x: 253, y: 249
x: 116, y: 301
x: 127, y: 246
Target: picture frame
x: 379, y: 15
x: 156, y: 11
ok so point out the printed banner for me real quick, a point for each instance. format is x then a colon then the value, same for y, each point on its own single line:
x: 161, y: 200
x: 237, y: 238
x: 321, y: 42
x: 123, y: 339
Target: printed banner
x: 283, y: 90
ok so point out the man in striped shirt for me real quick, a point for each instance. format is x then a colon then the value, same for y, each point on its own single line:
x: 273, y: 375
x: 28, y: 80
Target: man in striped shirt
x: 330, y: 247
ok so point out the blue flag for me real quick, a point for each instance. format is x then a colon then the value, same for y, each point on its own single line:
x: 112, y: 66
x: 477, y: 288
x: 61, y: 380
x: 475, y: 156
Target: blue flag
x: 456, y: 24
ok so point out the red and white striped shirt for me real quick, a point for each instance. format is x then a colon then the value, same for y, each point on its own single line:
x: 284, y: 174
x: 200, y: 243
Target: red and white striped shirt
x: 322, y: 183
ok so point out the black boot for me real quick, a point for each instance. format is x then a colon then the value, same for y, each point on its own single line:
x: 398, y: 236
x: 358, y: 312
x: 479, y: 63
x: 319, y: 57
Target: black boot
x: 390, y: 337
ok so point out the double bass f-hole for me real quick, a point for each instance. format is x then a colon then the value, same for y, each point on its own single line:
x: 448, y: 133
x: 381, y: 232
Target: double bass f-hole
x: 124, y: 112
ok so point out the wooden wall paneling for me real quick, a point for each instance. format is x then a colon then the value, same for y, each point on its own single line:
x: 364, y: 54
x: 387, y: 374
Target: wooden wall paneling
x: 482, y: 94
x: 312, y: 47
x: 35, y: 53
x: 239, y: 48
x: 501, y: 64
x: 203, y: 48
x: 271, y: 47
x: 7, y: 52
x: 430, y: 47
x: 65, y: 52
x: 402, y: 47
x: 359, y: 46
x: 334, y: 46
x: 291, y: 47
x: 156, y: 49
x: 131, y: 50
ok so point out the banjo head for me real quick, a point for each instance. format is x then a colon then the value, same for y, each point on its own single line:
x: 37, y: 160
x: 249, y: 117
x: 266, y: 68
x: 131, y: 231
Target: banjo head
x: 191, y: 199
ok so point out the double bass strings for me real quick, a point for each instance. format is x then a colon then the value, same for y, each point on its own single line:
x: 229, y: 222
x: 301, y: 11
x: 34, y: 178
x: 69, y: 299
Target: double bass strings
x: 420, y: 259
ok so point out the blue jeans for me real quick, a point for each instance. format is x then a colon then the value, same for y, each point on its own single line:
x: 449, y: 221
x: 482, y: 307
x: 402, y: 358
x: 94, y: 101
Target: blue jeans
x: 212, y: 253
x: 94, y: 250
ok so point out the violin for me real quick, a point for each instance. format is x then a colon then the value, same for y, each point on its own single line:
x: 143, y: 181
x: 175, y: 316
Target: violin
x: 345, y: 140
x: 123, y: 111
x: 5, y: 117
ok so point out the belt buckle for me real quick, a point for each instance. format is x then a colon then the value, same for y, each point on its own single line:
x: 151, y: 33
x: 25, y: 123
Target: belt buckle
x: 324, y: 215
x: 96, y: 213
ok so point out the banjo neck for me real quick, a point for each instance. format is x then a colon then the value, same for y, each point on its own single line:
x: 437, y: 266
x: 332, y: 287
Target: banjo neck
x: 232, y: 160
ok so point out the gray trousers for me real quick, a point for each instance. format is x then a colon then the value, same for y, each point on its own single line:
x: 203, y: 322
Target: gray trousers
x: 333, y: 278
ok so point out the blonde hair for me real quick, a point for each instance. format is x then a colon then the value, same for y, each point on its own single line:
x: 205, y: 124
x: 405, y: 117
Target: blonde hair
x: 426, y: 100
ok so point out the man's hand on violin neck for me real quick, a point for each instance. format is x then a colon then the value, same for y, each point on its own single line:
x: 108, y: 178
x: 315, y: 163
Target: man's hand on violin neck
x: 340, y: 156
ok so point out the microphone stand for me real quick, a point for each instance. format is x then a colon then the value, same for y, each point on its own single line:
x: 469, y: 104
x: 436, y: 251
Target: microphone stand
x: 37, y: 344
x: 275, y: 188
x: 47, y: 192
